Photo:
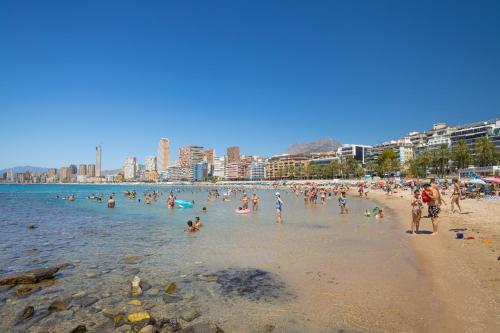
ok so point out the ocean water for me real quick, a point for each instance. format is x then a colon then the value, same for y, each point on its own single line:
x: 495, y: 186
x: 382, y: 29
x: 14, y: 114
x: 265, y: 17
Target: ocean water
x: 318, y: 271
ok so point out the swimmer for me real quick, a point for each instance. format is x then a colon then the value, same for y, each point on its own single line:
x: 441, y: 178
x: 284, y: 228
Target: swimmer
x: 148, y: 200
x: 191, y: 227
x: 204, y: 209
x: 197, y: 222
x: 71, y: 197
x: 343, y: 204
x: 111, y: 202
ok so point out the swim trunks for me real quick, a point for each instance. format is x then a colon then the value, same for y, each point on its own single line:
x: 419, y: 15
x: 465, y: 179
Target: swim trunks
x: 434, y: 211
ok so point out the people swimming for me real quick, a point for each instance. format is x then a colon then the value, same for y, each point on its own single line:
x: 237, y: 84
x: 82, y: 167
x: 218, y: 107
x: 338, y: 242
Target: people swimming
x: 148, y: 200
x: 197, y: 222
x: 191, y: 228
x: 111, y: 202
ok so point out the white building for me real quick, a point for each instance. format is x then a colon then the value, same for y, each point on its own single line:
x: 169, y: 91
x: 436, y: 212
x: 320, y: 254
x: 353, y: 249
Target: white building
x: 150, y: 163
x: 257, y: 169
x: 220, y: 167
x: 130, y: 168
x: 358, y: 152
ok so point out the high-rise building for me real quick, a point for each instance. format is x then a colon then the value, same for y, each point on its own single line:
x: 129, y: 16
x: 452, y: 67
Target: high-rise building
x: 91, y: 170
x: 219, y: 167
x: 52, y: 173
x: 65, y: 174
x: 73, y: 169
x: 130, y: 168
x: 150, y: 164
x: 257, y: 169
x: 200, y: 171
x: 98, y: 153
x: 233, y: 154
x: 190, y: 155
x: 82, y: 170
x: 163, y: 155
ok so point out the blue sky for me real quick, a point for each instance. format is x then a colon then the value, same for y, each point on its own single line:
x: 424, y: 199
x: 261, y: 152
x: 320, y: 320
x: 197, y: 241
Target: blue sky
x: 258, y: 74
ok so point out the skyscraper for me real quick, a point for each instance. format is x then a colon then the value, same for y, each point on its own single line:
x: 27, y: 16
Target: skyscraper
x: 190, y: 155
x: 82, y: 170
x: 130, y: 168
x: 150, y: 164
x: 91, y: 170
x: 98, y: 152
x: 233, y: 154
x: 163, y: 155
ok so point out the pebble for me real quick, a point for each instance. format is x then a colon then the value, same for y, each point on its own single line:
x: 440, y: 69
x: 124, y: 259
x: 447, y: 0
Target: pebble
x: 135, y: 302
x: 203, y: 328
x: 190, y: 314
x: 137, y: 317
x: 136, y: 286
x: 27, y: 313
x: 148, y: 329
x: 79, y: 329
x: 58, y: 305
x: 170, y: 288
x: 26, y: 290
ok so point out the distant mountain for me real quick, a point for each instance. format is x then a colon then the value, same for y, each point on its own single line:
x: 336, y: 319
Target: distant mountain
x: 110, y: 172
x: 318, y: 146
x: 31, y: 169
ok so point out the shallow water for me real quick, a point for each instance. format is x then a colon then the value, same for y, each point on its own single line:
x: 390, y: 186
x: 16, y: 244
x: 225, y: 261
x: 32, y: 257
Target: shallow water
x: 318, y: 271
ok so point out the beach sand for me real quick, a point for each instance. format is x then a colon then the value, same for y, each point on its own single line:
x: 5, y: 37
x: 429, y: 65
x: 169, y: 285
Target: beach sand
x: 465, y: 273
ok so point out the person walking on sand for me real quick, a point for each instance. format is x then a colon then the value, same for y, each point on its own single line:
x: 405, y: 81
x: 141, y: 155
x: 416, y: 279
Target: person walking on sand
x: 455, y: 197
x: 416, y: 212
x: 279, y: 207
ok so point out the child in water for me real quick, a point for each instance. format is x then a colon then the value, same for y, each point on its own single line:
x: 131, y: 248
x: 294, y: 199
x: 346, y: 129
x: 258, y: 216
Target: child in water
x: 197, y: 222
x: 191, y: 227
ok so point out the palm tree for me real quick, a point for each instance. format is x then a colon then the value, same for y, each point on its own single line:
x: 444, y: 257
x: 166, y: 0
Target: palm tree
x: 485, y: 152
x: 460, y: 154
x: 388, y: 162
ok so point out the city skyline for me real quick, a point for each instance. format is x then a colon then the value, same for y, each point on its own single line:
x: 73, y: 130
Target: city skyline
x: 261, y: 74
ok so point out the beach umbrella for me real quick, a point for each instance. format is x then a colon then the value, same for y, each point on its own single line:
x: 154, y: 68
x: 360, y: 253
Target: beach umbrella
x: 477, y: 182
x: 492, y: 180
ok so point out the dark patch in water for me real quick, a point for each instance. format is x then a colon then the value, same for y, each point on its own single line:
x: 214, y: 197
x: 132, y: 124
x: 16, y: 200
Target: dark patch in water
x: 253, y: 284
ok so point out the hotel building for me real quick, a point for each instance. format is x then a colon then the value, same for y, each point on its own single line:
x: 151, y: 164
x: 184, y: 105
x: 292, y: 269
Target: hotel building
x: 163, y: 155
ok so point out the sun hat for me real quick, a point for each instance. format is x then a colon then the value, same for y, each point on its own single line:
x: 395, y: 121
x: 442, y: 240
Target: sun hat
x: 277, y: 193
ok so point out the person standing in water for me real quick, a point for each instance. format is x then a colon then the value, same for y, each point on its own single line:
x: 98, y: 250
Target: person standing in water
x: 279, y: 207
x: 111, y: 202
x: 244, y: 200
x: 255, y: 201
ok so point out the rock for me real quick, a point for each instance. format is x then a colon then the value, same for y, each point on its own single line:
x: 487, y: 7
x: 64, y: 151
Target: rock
x: 79, y: 294
x: 31, y: 276
x: 31, y: 226
x: 167, y: 299
x: 169, y: 325
x: 79, y: 329
x: 190, y: 314
x: 267, y: 329
x: 137, y: 317
x: 86, y: 301
x: 131, y: 259
x: 136, y: 286
x: 203, y: 328
x: 27, y: 289
x: 58, y: 305
x: 90, y: 275
x: 118, y: 320
x: 170, y: 288
x: 26, y: 313
x: 148, y: 329
x: 135, y: 302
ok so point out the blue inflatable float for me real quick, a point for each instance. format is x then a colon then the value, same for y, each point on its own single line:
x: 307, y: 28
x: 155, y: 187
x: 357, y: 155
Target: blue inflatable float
x: 183, y: 204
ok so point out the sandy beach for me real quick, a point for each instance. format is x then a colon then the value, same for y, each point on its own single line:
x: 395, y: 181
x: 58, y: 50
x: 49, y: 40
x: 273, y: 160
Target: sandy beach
x: 465, y: 273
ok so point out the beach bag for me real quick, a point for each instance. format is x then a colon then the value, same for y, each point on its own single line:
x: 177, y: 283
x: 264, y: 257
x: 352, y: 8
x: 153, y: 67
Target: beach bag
x: 425, y: 197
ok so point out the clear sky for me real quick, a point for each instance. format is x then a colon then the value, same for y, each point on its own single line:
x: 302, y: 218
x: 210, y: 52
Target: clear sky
x: 258, y: 74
